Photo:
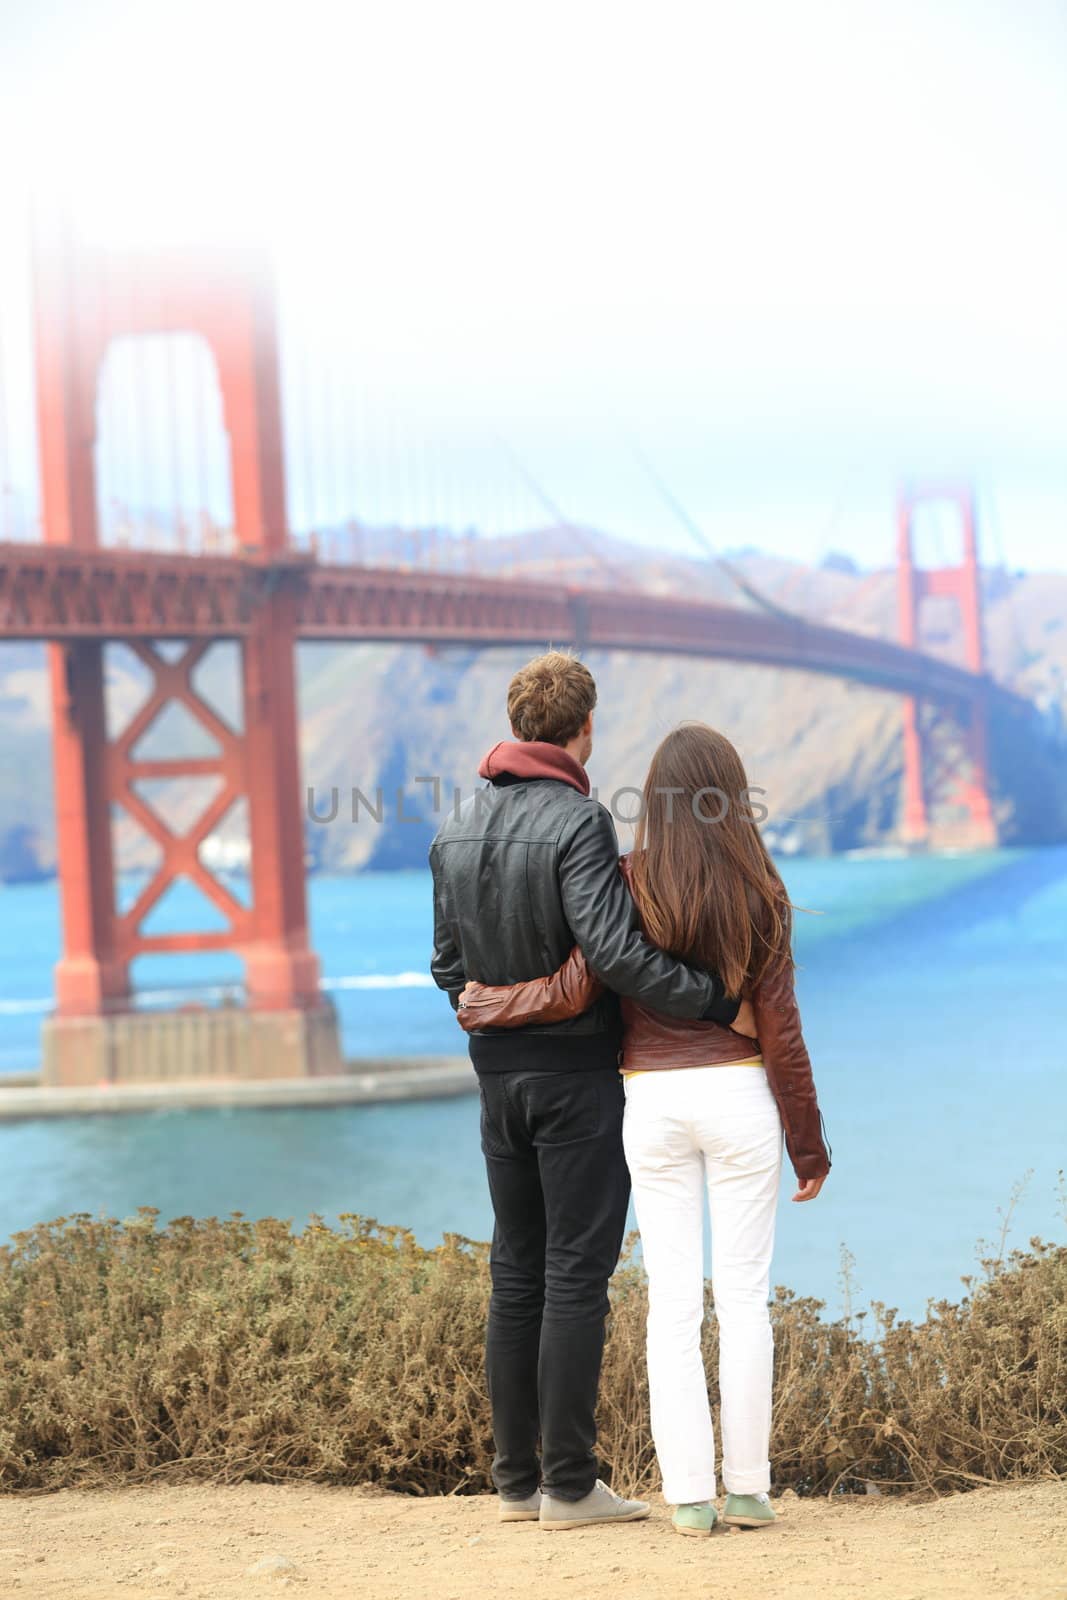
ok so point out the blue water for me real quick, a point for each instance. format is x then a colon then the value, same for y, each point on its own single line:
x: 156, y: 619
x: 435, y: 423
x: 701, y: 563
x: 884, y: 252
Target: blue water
x: 935, y: 1000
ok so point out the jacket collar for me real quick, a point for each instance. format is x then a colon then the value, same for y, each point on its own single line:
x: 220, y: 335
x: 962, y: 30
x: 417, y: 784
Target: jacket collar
x: 533, y: 759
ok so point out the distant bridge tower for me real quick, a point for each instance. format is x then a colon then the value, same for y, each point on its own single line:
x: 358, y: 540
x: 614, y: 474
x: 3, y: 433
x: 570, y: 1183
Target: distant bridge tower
x: 85, y: 299
x: 962, y: 584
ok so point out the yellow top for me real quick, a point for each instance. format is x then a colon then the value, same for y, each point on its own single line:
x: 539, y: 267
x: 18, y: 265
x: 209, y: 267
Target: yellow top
x: 749, y: 1061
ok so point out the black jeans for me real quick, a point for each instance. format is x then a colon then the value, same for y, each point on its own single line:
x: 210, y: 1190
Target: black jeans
x: 557, y: 1175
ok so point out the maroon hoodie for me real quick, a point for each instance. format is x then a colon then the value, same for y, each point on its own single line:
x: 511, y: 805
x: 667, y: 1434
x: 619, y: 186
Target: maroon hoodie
x: 532, y: 758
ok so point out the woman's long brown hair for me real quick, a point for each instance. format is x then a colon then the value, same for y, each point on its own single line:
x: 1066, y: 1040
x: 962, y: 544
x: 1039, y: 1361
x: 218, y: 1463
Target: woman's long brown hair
x: 706, y: 889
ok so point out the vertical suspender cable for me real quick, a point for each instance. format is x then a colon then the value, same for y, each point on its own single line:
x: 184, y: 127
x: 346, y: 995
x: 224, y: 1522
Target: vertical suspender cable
x: 181, y: 536
x: 5, y: 462
x: 352, y: 474
x: 122, y: 402
x: 365, y: 466
x: 147, y: 441
x: 309, y: 496
x: 332, y: 430
x: 200, y: 468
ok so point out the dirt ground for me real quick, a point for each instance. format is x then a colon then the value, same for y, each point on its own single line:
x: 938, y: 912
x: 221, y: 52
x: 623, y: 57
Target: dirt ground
x: 212, y: 1543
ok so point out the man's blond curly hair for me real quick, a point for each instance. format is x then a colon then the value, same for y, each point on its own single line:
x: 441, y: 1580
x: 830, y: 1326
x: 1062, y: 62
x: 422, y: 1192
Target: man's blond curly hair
x: 550, y: 697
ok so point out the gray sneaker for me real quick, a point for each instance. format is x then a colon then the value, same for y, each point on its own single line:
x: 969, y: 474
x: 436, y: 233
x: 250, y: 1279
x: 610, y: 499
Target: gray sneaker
x: 601, y: 1504
x: 527, y: 1510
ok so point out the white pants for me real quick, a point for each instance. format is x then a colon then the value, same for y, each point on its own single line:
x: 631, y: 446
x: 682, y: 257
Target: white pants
x: 684, y: 1129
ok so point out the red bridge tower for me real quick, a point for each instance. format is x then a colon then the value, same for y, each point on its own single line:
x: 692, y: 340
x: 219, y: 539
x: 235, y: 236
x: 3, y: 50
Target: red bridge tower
x: 970, y: 787
x: 84, y: 300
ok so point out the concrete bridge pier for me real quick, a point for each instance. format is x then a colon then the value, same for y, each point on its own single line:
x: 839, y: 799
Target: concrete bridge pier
x: 217, y: 1045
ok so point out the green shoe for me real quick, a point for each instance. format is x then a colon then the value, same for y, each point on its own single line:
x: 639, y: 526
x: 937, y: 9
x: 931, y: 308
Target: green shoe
x: 748, y: 1511
x: 695, y: 1521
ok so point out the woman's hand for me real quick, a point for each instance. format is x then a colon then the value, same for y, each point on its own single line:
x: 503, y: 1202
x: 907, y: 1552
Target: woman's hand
x: 809, y: 1187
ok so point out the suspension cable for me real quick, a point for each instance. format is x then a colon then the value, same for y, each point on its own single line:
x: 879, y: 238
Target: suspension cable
x: 693, y: 528
x: 562, y: 521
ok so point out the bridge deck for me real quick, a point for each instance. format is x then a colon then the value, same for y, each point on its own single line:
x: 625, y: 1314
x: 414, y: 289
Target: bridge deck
x: 48, y: 592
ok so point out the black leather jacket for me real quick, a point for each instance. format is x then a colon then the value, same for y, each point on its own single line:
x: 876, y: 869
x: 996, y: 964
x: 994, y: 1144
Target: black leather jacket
x: 526, y: 869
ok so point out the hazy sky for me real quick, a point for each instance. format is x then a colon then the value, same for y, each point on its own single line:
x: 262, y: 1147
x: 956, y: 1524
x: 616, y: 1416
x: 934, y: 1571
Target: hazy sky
x: 798, y: 250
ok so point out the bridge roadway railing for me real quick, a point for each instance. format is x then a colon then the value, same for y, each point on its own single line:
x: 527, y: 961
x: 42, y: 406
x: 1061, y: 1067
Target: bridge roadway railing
x: 53, y: 592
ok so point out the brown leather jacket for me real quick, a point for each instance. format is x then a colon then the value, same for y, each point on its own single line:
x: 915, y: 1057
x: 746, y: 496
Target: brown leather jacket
x: 653, y: 1041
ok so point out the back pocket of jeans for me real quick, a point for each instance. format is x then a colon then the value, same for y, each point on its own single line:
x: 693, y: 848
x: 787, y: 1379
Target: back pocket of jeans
x: 563, y: 1107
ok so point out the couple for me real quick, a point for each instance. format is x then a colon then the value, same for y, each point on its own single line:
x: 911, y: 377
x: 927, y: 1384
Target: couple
x: 633, y: 1024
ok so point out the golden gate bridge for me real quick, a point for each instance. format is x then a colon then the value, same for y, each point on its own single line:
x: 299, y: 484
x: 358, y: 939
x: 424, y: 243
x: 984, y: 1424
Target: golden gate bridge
x: 267, y: 591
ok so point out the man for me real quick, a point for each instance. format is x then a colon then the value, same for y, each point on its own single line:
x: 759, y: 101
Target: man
x: 526, y: 869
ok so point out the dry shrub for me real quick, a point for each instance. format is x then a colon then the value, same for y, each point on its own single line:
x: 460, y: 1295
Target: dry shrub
x: 232, y: 1350
x: 236, y: 1350
x: 978, y: 1392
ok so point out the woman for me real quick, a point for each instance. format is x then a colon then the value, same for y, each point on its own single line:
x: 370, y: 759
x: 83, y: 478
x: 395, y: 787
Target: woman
x: 705, y: 1107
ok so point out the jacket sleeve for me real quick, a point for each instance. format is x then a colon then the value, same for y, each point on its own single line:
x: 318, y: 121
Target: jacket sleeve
x: 788, y: 1066
x: 604, y: 921
x: 565, y: 993
x: 446, y: 963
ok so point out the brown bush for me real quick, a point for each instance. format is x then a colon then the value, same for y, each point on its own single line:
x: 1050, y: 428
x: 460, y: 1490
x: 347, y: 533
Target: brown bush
x: 232, y: 1349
